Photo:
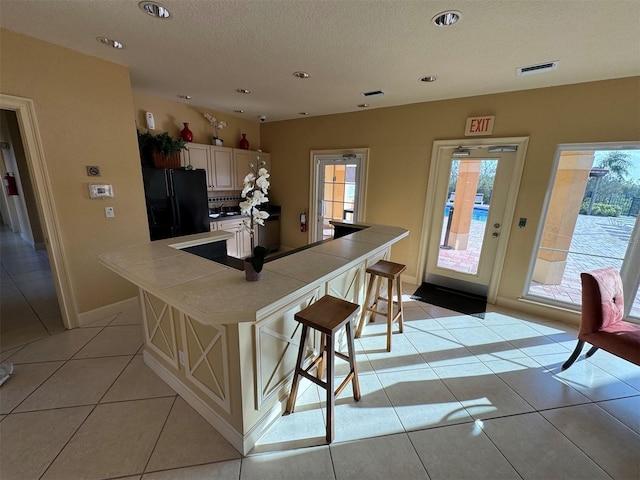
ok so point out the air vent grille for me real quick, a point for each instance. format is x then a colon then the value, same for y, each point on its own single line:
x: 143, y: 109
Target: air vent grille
x: 539, y: 68
x: 373, y: 93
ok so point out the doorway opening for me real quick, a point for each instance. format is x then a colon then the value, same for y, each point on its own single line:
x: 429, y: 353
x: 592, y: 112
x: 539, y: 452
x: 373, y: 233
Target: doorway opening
x: 473, y: 184
x: 338, y: 192
x: 43, y: 208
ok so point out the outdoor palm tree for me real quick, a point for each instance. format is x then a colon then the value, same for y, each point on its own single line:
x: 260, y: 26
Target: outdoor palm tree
x: 618, y: 163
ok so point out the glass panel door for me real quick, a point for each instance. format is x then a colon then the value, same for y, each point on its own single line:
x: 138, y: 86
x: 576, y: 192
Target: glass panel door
x: 470, y: 198
x: 337, y: 193
x: 465, y: 215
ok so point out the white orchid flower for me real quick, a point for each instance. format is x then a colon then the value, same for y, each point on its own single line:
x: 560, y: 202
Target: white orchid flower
x: 247, y: 188
x: 263, y: 184
x: 259, y: 197
x: 263, y: 173
x: 246, y: 206
x: 249, y: 178
x: 259, y: 216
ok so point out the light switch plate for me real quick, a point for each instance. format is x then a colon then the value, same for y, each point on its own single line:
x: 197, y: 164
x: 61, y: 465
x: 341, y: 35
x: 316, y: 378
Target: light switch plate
x: 109, y: 212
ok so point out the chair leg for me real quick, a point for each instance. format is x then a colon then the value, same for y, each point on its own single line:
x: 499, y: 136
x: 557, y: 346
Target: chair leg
x: 591, y: 351
x: 363, y: 315
x: 331, y: 395
x: 574, y: 355
x: 376, y: 299
x: 291, y: 403
x: 355, y: 383
x: 389, y: 312
x: 400, y: 311
x: 323, y: 357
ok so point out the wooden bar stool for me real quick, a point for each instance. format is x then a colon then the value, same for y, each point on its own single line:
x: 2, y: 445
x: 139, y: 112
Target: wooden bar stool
x: 392, y: 272
x: 327, y: 316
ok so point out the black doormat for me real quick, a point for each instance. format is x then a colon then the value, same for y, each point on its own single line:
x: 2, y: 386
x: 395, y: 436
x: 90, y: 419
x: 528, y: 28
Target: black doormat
x: 455, y: 300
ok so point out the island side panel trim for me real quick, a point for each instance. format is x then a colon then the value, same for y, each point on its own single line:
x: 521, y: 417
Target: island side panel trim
x: 207, y: 368
x: 279, y: 334
x: 159, y: 327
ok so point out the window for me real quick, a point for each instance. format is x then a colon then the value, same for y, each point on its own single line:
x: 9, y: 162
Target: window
x: 590, y: 221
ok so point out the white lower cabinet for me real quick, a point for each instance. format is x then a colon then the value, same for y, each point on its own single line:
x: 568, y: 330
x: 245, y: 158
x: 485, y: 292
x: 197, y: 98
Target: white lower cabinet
x: 231, y: 226
x: 240, y: 245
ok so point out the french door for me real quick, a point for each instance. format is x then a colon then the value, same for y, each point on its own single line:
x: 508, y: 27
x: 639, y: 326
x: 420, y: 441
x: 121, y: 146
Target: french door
x: 474, y: 186
x: 338, y: 192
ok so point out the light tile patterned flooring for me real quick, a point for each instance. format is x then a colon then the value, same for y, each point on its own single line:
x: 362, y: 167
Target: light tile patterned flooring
x: 458, y: 397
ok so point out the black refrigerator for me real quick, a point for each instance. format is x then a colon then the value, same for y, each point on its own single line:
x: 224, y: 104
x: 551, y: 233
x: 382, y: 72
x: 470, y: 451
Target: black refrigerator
x: 176, y: 202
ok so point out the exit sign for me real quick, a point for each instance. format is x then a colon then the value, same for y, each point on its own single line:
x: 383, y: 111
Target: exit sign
x: 479, y: 126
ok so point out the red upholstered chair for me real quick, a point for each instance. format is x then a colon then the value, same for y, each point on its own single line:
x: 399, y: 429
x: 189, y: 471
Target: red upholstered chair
x: 601, y: 324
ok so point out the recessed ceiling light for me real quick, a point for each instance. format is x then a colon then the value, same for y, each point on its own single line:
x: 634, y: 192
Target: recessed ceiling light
x: 110, y: 43
x: 239, y: 111
x: 363, y: 105
x: 243, y: 90
x: 301, y: 74
x: 429, y: 79
x: 446, y: 19
x: 304, y: 113
x: 155, y: 10
x: 185, y: 97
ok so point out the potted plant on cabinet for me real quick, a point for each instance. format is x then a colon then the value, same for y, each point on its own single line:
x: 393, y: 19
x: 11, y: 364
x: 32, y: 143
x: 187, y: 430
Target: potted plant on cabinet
x: 163, y: 149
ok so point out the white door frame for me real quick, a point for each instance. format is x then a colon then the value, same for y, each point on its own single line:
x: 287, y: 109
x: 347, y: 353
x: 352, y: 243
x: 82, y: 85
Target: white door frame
x: 440, y: 148
x: 37, y: 166
x: 312, y: 230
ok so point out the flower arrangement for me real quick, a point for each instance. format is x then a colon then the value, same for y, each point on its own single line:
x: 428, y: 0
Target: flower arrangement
x: 217, y: 125
x: 254, y: 193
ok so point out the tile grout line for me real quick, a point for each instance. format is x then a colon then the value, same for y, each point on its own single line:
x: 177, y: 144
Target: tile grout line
x: 155, y: 444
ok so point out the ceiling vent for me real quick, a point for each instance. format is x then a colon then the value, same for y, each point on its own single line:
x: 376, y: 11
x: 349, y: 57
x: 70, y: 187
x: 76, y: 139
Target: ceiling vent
x: 373, y: 93
x: 539, y: 68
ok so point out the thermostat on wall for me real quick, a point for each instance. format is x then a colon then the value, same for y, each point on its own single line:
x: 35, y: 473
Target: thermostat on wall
x: 100, y: 191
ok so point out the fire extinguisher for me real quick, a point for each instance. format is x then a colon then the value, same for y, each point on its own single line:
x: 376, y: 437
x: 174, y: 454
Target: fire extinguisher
x: 10, y: 184
x: 303, y: 222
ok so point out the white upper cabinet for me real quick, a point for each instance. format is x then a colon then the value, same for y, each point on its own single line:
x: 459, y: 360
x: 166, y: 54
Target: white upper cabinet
x: 222, y: 163
x: 241, y: 160
x: 217, y: 161
x: 226, y: 167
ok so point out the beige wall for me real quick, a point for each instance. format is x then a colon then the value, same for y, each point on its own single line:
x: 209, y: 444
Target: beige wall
x: 87, y: 115
x: 170, y: 116
x: 84, y: 111
x: 401, y: 138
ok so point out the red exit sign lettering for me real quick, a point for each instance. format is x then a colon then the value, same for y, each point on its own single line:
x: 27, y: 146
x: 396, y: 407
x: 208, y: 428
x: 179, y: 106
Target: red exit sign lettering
x: 479, y: 126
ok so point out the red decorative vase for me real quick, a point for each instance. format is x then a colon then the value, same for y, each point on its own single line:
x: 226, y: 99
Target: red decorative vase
x: 186, y: 134
x: 244, y: 143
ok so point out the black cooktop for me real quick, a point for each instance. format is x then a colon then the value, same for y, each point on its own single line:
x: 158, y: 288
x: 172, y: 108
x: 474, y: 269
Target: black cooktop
x: 217, y: 252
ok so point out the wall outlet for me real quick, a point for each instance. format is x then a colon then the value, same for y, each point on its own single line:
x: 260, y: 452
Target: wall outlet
x: 181, y: 356
x: 109, y: 213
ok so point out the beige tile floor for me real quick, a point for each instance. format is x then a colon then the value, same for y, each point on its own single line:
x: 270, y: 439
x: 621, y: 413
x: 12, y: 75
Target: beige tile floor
x: 459, y: 397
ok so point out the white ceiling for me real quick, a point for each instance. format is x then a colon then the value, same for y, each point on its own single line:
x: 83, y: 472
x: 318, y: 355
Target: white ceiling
x: 208, y: 49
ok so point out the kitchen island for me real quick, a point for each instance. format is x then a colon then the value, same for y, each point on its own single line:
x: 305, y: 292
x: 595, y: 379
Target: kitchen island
x: 229, y: 346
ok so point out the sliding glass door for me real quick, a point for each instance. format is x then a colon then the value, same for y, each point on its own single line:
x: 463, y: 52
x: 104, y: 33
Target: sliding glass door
x: 590, y: 221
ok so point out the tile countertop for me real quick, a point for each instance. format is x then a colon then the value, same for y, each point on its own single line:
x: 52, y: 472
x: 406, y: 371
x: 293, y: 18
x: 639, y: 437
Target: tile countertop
x: 215, y: 293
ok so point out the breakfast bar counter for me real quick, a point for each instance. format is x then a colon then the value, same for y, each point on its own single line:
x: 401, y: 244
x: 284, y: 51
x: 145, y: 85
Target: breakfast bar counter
x: 229, y: 346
